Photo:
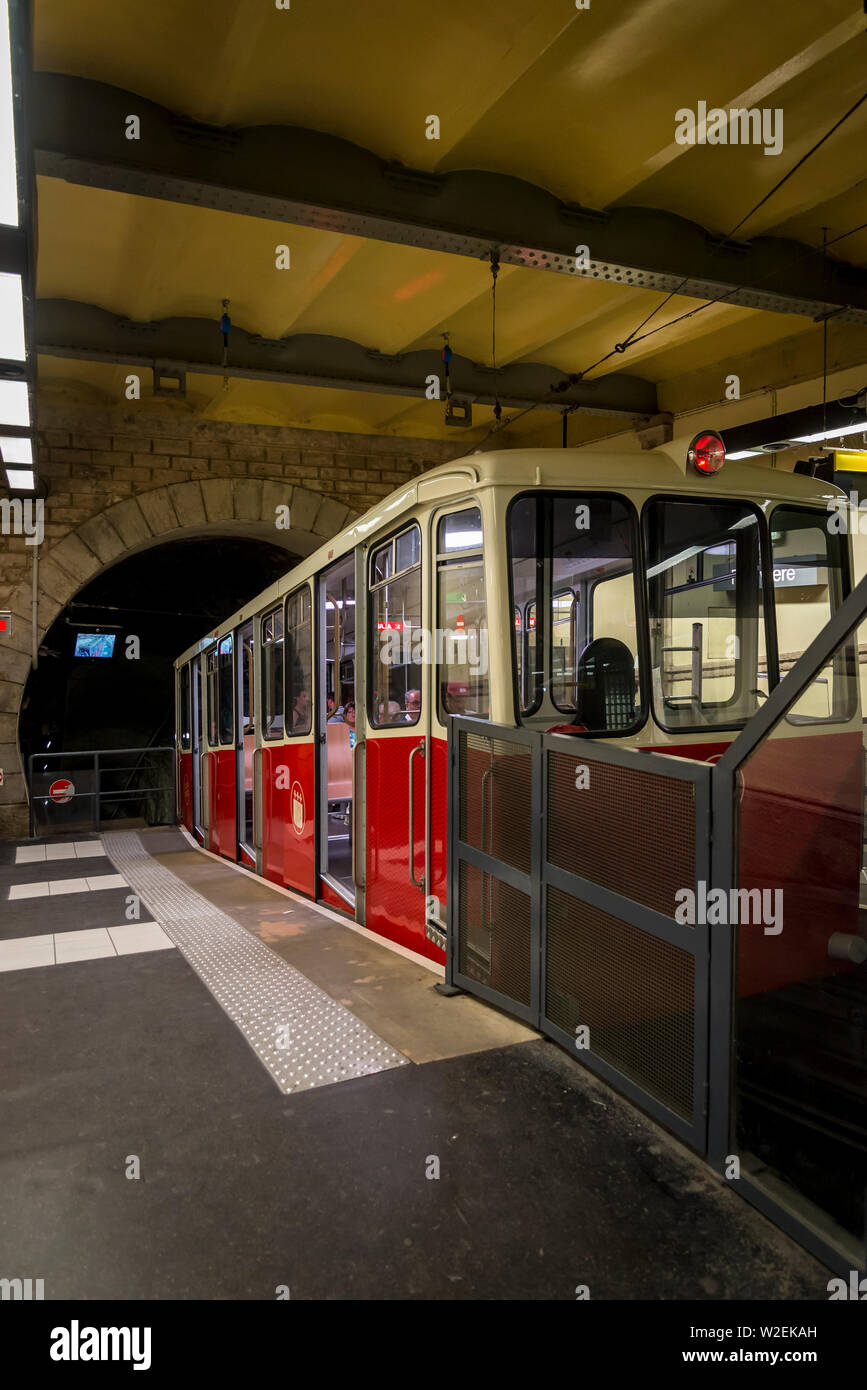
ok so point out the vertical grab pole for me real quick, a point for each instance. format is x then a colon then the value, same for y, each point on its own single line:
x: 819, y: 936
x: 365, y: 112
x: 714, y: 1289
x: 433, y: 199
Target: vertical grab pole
x: 97, y: 790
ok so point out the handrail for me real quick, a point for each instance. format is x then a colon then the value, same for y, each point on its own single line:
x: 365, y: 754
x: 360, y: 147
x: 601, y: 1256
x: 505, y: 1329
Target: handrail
x: 97, y: 770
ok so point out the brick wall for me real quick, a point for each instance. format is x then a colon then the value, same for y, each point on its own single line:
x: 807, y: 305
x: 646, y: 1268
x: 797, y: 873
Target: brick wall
x: 119, y: 480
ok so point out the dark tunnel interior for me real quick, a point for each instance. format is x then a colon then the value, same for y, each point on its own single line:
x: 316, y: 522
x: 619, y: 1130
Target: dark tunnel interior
x: 167, y: 597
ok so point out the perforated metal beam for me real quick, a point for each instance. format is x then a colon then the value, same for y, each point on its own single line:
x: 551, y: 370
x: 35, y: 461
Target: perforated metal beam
x: 293, y: 175
x: 68, y: 329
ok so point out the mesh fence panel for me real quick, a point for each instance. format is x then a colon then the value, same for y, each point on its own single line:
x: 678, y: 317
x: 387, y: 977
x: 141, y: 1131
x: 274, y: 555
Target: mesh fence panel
x: 630, y: 831
x: 496, y: 790
x: 633, y: 991
x: 494, y: 934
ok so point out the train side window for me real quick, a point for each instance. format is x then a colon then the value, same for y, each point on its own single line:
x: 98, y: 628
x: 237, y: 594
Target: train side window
x: 810, y: 579
x: 299, y: 662
x: 213, y: 696
x: 272, y: 674
x: 462, y: 616
x: 396, y: 637
x: 226, y: 681
x: 185, y: 710
x: 525, y: 550
x: 706, y: 612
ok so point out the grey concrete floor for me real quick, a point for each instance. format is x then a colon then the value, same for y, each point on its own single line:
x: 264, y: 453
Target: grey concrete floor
x: 547, y: 1179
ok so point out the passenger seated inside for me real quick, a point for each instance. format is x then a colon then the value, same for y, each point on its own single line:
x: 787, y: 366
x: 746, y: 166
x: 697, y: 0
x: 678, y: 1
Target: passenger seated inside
x: 301, y: 712
x: 413, y: 707
x: 349, y: 718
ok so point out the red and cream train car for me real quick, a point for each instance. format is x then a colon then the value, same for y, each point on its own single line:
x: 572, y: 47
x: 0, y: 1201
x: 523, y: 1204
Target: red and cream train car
x: 654, y: 600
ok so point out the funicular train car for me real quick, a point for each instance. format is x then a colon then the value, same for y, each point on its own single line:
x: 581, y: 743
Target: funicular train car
x: 650, y: 600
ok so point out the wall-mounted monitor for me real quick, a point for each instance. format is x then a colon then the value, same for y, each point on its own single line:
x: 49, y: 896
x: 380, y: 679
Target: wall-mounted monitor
x: 94, y: 643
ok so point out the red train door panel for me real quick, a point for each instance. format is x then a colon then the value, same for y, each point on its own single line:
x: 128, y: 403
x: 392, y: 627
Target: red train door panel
x: 395, y: 895
x: 185, y: 789
x: 297, y: 798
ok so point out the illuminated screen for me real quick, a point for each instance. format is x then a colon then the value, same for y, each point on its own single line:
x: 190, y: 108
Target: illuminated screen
x: 94, y: 643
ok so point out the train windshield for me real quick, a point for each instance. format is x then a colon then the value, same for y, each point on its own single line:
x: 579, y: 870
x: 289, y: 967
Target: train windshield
x: 707, y: 626
x: 574, y: 597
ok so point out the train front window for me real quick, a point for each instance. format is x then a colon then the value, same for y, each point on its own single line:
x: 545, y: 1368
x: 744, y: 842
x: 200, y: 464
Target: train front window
x: 707, y: 627
x: 574, y: 591
x: 810, y: 574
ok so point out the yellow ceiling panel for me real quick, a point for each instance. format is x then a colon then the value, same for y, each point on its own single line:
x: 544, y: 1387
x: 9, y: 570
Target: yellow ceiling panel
x: 370, y: 72
x: 150, y: 260
x: 717, y: 185
x: 596, y: 115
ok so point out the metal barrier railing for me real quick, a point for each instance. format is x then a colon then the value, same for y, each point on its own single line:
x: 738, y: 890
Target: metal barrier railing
x: 71, y: 790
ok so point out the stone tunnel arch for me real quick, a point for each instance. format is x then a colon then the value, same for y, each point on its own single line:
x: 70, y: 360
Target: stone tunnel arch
x: 199, y: 507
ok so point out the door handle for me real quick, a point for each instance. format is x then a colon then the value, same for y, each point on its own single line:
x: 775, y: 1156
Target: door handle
x: 419, y: 749
x: 257, y: 798
x: 205, y: 790
x: 357, y: 792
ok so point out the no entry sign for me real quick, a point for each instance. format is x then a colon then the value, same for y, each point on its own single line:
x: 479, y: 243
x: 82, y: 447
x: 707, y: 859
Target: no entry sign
x: 61, y: 791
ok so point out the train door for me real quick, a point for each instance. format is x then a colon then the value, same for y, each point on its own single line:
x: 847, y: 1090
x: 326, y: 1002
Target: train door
x: 196, y: 669
x: 336, y: 731
x: 185, y: 757
x: 396, y: 740
x: 246, y: 744
x: 458, y: 680
x: 221, y: 757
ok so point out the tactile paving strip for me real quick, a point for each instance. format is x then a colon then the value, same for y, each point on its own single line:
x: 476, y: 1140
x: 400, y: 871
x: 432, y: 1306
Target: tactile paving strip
x: 302, y: 1035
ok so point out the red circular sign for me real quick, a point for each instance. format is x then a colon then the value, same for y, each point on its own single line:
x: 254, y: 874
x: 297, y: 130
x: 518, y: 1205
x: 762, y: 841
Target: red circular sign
x: 61, y: 791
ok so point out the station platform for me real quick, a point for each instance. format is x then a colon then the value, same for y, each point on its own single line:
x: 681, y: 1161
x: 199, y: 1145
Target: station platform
x: 213, y: 1089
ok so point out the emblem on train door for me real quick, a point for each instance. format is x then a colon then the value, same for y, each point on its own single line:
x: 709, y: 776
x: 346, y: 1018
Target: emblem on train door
x: 297, y: 798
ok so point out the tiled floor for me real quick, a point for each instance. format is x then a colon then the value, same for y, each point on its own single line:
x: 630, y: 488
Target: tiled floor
x: 77, y: 849
x: 27, y: 952
x: 56, y: 886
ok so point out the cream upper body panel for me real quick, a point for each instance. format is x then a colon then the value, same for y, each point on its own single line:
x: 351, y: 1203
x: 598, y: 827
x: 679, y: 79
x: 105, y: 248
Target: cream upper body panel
x: 663, y: 470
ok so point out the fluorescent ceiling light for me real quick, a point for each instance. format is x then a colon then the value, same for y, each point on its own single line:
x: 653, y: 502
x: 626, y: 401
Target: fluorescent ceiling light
x: 831, y: 434
x: 462, y: 540
x: 14, y: 403
x: 8, y: 166
x: 21, y: 479
x: 15, y: 450
x: 12, y: 345
x: 744, y: 454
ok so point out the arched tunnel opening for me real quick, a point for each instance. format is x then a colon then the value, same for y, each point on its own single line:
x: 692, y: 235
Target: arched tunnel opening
x: 104, y: 678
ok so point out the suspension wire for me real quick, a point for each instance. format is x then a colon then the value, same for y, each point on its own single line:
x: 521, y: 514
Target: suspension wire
x: 825, y: 327
x: 575, y: 377
x: 621, y: 347
x: 495, y: 271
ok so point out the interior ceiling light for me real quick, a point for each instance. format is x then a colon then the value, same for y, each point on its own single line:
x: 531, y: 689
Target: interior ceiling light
x: 746, y: 454
x: 16, y: 449
x: 21, y: 479
x: 14, y: 403
x: 8, y: 164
